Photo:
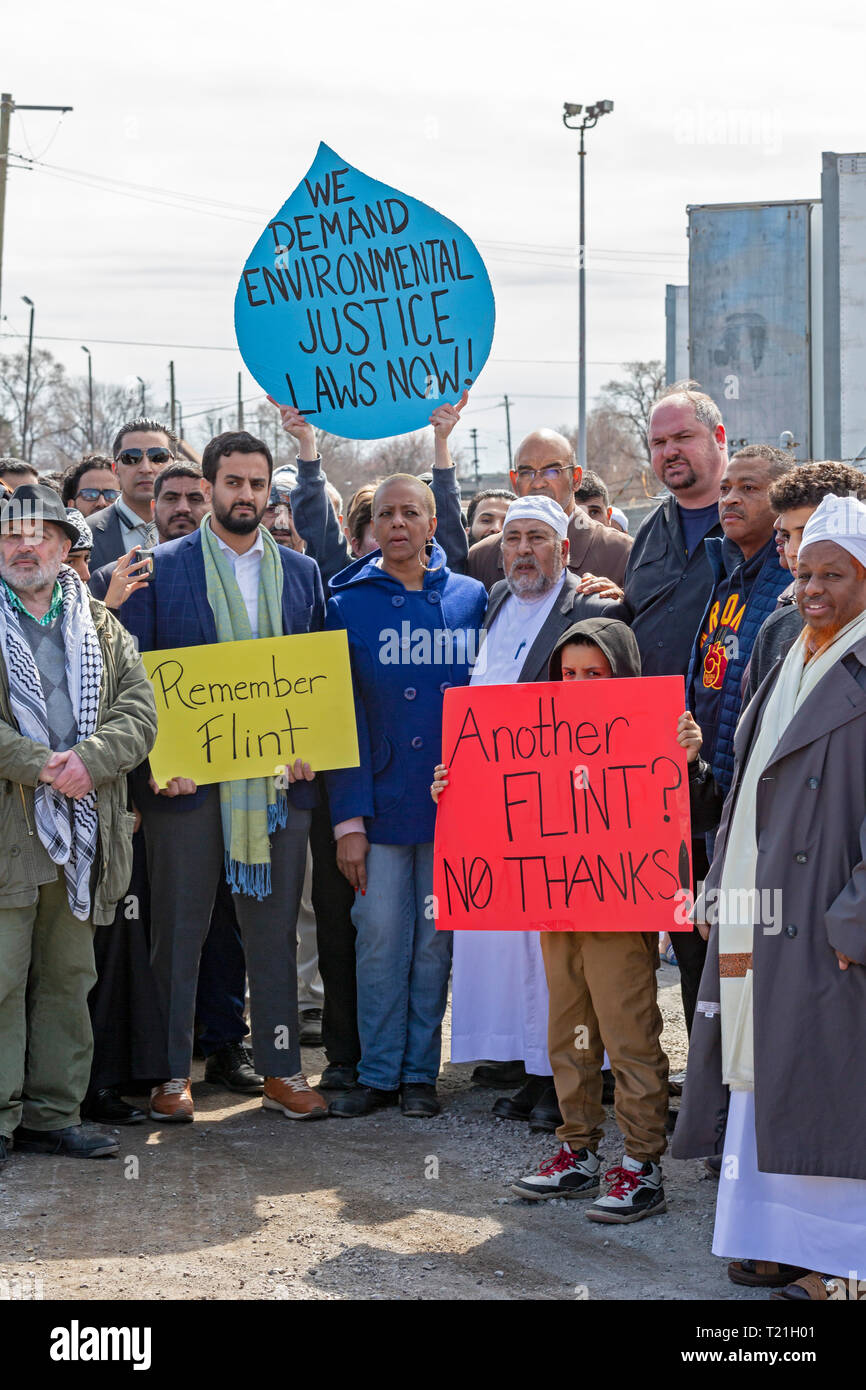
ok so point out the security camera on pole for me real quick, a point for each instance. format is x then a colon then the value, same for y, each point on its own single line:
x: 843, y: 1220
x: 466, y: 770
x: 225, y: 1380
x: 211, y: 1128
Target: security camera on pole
x: 571, y: 111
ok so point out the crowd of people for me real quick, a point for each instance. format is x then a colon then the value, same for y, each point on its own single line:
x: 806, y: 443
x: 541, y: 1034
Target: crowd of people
x: 137, y: 920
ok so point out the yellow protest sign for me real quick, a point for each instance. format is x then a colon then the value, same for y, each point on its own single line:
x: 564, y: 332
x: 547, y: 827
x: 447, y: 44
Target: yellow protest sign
x: 244, y: 709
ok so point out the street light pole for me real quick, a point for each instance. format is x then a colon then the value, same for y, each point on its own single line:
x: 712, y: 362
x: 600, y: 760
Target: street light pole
x: 89, y: 390
x: 7, y: 106
x: 572, y: 110
x: 26, y: 420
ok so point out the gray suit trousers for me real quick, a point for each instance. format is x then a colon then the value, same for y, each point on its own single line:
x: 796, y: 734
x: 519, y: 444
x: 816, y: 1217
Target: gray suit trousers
x: 185, y: 861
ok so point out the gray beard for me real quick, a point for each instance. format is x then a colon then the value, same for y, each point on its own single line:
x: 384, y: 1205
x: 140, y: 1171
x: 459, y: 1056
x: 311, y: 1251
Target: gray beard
x: 33, y: 579
x: 535, y: 586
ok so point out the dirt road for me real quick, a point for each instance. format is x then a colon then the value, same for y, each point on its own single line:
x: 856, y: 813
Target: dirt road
x: 246, y: 1205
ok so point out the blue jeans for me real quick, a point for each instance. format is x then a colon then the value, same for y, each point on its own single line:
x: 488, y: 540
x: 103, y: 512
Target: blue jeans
x: 403, y: 964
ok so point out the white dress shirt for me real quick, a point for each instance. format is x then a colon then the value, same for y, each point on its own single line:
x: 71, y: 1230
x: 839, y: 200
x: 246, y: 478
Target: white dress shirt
x: 510, y: 636
x: 247, y: 571
x: 133, y: 530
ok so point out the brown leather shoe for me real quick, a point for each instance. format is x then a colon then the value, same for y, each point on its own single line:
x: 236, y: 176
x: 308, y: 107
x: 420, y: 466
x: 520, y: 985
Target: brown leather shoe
x: 295, y: 1097
x: 172, y: 1102
x: 816, y: 1288
x: 763, y: 1274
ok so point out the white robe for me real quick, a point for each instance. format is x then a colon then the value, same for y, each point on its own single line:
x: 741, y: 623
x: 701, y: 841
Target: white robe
x: 499, y: 989
x: 817, y: 1223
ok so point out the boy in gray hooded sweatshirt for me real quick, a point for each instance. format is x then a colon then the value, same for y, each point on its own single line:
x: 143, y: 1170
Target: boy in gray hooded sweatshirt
x: 602, y: 988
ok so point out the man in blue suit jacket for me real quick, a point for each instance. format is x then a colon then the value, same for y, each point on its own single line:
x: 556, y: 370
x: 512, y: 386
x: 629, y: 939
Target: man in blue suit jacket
x: 182, y: 823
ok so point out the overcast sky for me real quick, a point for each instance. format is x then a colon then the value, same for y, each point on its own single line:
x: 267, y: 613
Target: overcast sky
x: 209, y: 114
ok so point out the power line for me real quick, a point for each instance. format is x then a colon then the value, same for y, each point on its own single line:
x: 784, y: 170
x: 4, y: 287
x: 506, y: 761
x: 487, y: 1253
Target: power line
x: 197, y: 203
x: 213, y: 347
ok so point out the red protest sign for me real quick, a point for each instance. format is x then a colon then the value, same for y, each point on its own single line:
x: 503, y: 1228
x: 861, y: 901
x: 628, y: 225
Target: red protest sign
x: 567, y: 808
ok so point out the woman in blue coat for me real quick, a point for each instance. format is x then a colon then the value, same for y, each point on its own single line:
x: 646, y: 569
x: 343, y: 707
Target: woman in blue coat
x: 413, y: 630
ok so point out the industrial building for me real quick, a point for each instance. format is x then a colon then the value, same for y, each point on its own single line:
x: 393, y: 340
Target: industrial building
x: 773, y: 320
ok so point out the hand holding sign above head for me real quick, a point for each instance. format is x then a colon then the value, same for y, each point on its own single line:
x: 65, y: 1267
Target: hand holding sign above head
x: 445, y: 417
x: 296, y: 424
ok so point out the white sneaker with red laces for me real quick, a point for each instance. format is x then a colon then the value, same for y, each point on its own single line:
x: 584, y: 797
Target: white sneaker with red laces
x: 571, y: 1173
x: 635, y: 1192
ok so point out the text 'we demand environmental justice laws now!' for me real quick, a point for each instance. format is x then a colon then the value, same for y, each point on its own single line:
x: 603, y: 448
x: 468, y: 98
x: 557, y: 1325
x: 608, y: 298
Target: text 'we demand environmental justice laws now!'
x: 360, y: 305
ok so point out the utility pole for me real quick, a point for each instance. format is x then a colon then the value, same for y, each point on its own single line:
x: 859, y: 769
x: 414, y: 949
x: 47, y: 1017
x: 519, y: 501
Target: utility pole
x: 7, y: 106
x: 171, y: 393
x: 507, y: 405
x: 180, y: 421
x: 26, y: 419
x: 140, y: 381
x: 571, y: 111
x: 89, y: 391
x: 240, y: 405
x: 474, y: 434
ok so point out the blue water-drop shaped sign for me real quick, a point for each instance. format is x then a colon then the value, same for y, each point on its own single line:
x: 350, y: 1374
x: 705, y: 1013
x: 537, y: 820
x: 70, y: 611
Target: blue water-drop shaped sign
x: 362, y: 307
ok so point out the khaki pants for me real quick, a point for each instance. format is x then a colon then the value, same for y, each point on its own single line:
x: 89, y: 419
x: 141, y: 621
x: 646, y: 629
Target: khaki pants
x: 602, y: 989
x: 46, y: 1044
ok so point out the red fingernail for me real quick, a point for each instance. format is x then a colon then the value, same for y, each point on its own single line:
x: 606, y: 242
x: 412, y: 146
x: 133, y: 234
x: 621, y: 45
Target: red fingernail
x: 363, y: 892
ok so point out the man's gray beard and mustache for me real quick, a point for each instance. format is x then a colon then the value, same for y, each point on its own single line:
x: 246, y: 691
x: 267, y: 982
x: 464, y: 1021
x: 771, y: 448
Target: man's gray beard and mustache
x: 533, y: 586
x: 26, y: 580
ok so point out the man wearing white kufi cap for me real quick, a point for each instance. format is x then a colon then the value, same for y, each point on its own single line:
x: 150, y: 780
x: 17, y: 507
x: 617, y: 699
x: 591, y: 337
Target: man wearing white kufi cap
x: 499, y: 1008
x: 781, y: 1017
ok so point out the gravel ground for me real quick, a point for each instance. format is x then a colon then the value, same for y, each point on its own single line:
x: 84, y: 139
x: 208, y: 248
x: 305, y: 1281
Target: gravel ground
x: 245, y: 1204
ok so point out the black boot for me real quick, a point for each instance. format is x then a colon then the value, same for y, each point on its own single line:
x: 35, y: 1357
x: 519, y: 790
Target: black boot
x: 232, y: 1066
x: 519, y: 1106
x: 499, y: 1075
x: 77, y: 1141
x: 419, y: 1101
x: 337, y: 1077
x: 546, y: 1115
x: 362, y: 1100
x: 107, y: 1107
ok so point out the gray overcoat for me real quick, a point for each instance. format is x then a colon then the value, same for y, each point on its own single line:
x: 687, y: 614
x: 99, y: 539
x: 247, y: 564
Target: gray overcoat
x: 810, y: 1016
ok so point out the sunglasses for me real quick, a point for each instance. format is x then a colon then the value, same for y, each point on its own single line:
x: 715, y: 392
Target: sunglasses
x: 91, y: 494
x: 155, y: 454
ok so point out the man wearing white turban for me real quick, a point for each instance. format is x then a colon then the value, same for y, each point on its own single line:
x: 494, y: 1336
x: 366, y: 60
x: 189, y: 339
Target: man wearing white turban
x: 781, y: 1015
x: 499, y: 989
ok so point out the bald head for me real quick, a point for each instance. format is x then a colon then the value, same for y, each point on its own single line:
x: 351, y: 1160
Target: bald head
x: 544, y: 466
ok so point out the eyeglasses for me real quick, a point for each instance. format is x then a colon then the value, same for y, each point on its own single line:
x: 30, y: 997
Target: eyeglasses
x: 91, y: 494
x: 550, y: 473
x: 155, y: 454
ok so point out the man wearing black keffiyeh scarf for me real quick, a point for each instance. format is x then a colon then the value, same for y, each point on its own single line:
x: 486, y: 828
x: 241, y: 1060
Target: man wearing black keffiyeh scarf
x: 76, y: 713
